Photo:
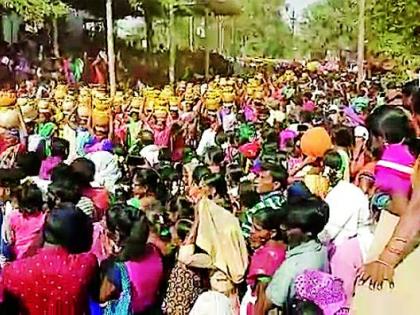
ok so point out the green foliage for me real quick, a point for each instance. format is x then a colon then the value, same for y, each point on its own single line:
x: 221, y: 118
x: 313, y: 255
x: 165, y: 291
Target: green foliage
x: 392, y: 28
x: 35, y: 10
x: 395, y: 29
x: 330, y: 25
x: 261, y: 31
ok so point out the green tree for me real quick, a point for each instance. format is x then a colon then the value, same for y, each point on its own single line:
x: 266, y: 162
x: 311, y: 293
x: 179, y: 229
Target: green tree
x: 261, y: 31
x: 329, y: 25
x: 35, y: 10
x: 393, y: 28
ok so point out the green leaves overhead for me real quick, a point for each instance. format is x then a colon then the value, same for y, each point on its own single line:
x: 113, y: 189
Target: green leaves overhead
x: 35, y: 10
x: 392, y: 28
x: 261, y: 30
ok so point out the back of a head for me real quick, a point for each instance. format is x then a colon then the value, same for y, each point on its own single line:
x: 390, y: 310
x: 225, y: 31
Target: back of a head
x: 343, y: 137
x: 416, y: 102
x: 333, y: 160
x: 248, y: 195
x: 146, y: 137
x: 61, y: 172
x: 217, y: 182
x: 29, y: 162
x: 183, y: 207
x: 132, y: 228
x: 390, y: 123
x: 83, y: 171
x: 199, y: 173
x: 146, y: 177
x: 60, y: 147
x: 65, y: 190
x: 30, y: 199
x: 410, y: 88
x: 308, y: 214
x: 70, y: 228
x: 214, y: 155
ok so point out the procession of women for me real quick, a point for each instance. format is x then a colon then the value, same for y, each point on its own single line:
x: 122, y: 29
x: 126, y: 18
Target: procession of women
x: 292, y: 190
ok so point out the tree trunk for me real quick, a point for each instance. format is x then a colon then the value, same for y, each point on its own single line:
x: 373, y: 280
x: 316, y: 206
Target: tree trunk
x: 207, y: 45
x: 111, y: 48
x: 361, y: 42
x: 172, y: 44
x: 56, y: 47
x: 149, y: 31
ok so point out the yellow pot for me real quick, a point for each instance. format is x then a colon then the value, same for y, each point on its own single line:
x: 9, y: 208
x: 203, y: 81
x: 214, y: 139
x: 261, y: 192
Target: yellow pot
x: 9, y: 118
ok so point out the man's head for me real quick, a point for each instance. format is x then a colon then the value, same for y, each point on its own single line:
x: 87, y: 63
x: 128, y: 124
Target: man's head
x: 272, y: 177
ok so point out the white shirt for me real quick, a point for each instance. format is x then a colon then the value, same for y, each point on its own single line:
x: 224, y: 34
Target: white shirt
x: 208, y: 139
x: 349, y: 215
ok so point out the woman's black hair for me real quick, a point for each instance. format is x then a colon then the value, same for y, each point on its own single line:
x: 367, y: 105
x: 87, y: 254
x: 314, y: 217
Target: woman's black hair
x: 333, y: 160
x: 83, y: 171
x: 308, y: 214
x: 410, y: 88
x: 270, y: 219
x: 60, y: 147
x: 416, y: 102
x: 390, y: 123
x: 234, y: 173
x: 343, y: 137
x: 70, y: 228
x: 165, y: 155
x: 182, y: 207
x: 30, y: 199
x: 199, y: 173
x: 29, y: 163
x: 334, y: 163
x: 183, y: 228
x: 132, y: 228
x: 215, y: 155
x: 248, y: 196
x: 221, y: 138
x: 65, y: 190
x: 60, y: 172
x: 217, y: 182
x: 150, y: 179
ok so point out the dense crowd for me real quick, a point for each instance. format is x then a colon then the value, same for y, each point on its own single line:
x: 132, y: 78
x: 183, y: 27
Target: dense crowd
x: 292, y: 192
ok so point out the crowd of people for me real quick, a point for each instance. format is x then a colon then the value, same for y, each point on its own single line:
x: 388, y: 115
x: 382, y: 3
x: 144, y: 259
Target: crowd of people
x: 292, y: 192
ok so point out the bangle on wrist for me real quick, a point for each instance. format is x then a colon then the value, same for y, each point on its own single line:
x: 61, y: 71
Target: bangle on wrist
x: 400, y: 239
x: 382, y: 262
x: 389, y: 258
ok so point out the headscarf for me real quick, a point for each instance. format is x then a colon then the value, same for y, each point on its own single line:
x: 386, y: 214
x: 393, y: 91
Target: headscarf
x: 315, y: 142
x: 107, y: 172
x: 286, y: 136
x: 220, y: 236
x: 212, y: 303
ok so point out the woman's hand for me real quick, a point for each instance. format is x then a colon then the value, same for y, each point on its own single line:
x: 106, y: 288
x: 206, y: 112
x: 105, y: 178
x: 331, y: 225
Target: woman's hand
x: 376, y: 273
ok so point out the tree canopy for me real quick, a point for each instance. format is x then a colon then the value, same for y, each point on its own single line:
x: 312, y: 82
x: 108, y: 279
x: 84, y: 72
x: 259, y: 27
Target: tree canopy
x: 392, y: 28
x: 261, y: 31
x: 35, y: 10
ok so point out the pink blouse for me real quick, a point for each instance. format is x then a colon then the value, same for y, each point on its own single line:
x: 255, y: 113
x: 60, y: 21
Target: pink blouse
x: 26, y: 232
x: 145, y: 276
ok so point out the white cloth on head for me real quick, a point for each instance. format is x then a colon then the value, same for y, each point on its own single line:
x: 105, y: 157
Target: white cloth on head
x: 212, y: 303
x: 151, y: 154
x: 107, y: 172
x: 208, y: 139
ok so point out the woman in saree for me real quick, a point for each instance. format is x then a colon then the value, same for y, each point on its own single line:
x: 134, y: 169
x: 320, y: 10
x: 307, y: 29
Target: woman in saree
x: 269, y: 254
x: 132, y: 275
x: 390, y: 278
